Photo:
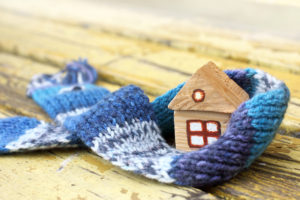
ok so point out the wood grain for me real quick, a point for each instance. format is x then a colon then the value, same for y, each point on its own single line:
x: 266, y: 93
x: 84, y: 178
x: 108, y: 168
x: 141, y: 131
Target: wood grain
x: 35, y: 40
x: 275, y: 53
x: 180, y: 118
x: 221, y: 93
x: 78, y: 174
x: 64, y: 174
x: 275, y: 175
x: 55, y: 43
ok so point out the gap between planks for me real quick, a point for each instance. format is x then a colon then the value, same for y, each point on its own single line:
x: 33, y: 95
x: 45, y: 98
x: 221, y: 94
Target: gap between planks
x: 283, y: 150
x: 172, y: 32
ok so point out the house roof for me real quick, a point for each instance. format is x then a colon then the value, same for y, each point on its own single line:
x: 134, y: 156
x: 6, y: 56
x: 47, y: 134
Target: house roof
x: 222, y: 94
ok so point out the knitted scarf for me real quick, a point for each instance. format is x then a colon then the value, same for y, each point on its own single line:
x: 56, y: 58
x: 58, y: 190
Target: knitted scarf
x: 124, y: 128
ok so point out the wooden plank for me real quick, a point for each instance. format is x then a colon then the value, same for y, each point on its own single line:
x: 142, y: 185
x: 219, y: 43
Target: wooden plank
x: 6, y: 113
x: 102, y: 47
x: 64, y: 170
x: 287, y: 159
x: 14, y: 78
x: 78, y: 174
x: 270, y: 177
x: 275, y: 175
x: 280, y: 160
x: 290, y: 124
x: 56, y: 43
x: 191, y: 35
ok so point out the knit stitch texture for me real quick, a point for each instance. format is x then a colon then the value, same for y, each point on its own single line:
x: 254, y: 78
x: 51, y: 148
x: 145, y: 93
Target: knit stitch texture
x: 129, y: 131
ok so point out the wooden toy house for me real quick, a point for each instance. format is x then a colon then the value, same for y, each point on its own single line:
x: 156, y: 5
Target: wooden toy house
x: 202, y: 108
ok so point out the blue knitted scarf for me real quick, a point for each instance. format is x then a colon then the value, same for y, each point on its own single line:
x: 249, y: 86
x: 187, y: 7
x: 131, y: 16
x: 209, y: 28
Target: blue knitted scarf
x: 129, y: 131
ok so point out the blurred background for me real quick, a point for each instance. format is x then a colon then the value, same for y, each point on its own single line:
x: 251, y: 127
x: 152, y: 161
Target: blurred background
x: 258, y: 18
x: 132, y: 41
x: 156, y: 45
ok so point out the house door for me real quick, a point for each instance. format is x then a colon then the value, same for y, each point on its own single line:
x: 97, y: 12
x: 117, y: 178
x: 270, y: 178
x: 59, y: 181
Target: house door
x: 201, y: 133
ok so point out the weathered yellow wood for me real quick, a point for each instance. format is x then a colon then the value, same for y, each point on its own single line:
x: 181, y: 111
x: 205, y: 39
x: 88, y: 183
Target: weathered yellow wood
x: 51, y: 174
x: 14, y: 77
x: 187, y: 35
x: 275, y: 175
x: 78, y: 174
x: 6, y: 113
x: 138, y: 64
x: 102, y: 47
x: 31, y: 45
x: 122, y: 60
x: 13, y: 80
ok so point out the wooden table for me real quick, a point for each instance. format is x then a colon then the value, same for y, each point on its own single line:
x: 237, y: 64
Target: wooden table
x: 155, y: 53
